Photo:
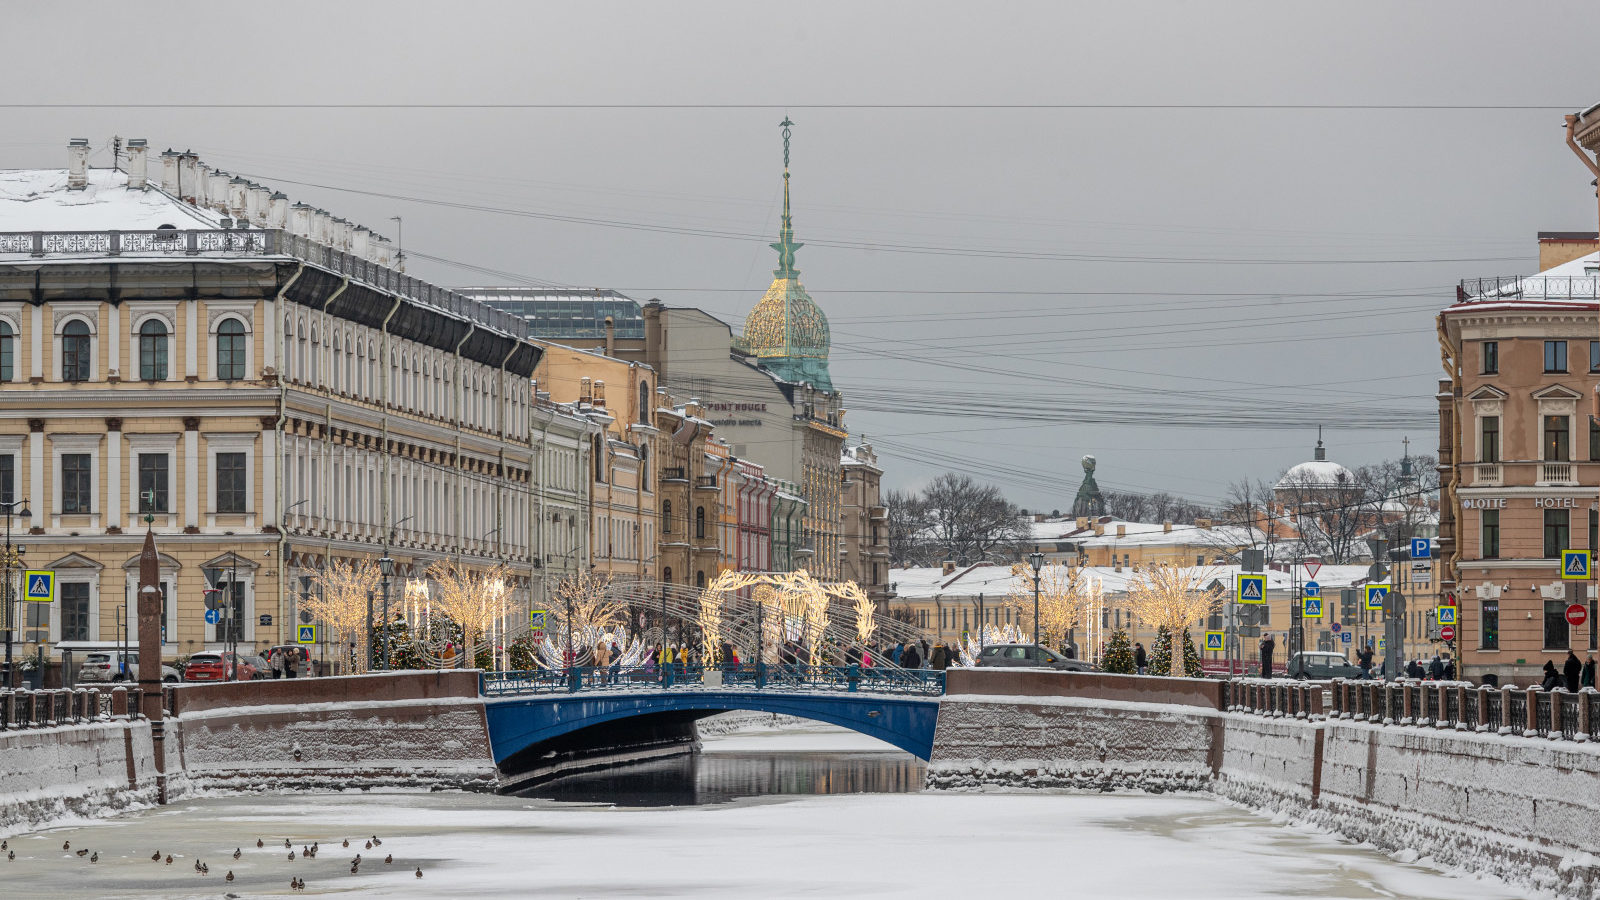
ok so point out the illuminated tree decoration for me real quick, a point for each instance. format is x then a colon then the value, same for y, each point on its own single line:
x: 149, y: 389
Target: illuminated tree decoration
x: 340, y: 602
x: 1169, y: 597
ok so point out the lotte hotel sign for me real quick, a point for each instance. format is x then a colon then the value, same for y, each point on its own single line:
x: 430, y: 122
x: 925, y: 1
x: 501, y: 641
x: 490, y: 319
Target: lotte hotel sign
x: 1538, y: 502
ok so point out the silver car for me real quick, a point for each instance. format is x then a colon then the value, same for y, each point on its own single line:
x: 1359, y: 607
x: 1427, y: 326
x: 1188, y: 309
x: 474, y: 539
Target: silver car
x: 1030, y: 655
x: 112, y: 667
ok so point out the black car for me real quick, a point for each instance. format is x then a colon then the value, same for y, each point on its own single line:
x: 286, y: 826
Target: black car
x: 1030, y: 656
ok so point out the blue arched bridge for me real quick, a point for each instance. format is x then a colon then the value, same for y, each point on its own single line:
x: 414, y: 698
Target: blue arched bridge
x: 538, y: 719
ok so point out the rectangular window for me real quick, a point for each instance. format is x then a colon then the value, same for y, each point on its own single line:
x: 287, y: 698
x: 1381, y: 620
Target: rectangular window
x: 1555, y: 356
x: 1557, y: 440
x: 1490, y: 547
x: 1556, y: 533
x: 1594, y: 441
x: 232, y: 489
x: 1491, y: 357
x: 7, y: 351
x: 1490, y: 443
x: 153, y: 483
x: 77, y: 483
x: 1489, y: 625
x: 1555, y: 625
x: 1594, y: 357
x: 8, y: 478
x: 74, y: 610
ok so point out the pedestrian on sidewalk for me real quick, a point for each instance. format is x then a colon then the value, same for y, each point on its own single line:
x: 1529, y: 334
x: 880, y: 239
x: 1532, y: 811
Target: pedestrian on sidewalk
x: 1436, y: 669
x: 1141, y: 659
x: 1364, y: 659
x: 1266, y: 648
x: 1587, y: 678
x: 1552, y: 678
x: 1572, y: 671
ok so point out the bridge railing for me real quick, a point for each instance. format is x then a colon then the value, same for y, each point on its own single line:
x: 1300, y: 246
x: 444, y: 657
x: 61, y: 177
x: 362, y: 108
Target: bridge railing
x: 70, y: 706
x: 1461, y: 706
x: 762, y: 677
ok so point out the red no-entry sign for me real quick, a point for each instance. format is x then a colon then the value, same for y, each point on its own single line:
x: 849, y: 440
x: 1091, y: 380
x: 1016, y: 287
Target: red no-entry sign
x: 1577, y: 614
x: 1447, y: 632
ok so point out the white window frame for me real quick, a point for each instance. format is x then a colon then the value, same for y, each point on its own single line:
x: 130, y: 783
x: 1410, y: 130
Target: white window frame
x: 76, y: 575
x: 66, y: 314
x: 77, y: 443
x: 154, y: 444
x: 219, y: 312
x: 219, y: 442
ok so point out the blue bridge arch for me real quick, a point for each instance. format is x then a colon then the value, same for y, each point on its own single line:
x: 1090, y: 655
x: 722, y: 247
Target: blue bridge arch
x: 520, y: 723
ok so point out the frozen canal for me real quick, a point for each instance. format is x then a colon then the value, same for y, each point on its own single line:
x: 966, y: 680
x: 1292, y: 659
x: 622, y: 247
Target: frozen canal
x: 759, y: 839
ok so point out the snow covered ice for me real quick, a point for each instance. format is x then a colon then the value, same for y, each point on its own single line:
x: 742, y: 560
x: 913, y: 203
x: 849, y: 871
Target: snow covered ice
x: 862, y: 845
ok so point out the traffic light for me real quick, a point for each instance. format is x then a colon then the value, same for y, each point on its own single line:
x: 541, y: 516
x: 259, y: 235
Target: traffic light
x: 1349, y: 604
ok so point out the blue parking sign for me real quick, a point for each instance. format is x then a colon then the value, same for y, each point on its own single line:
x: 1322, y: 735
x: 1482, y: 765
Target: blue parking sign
x: 1344, y: 637
x: 1422, y: 548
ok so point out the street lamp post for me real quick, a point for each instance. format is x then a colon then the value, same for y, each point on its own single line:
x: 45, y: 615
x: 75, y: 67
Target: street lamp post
x: 386, y: 569
x: 12, y: 558
x: 1036, y: 562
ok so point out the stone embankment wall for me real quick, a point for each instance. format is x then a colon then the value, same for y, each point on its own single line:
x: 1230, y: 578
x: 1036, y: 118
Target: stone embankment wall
x: 83, y: 766
x: 393, y: 729
x: 1524, y: 809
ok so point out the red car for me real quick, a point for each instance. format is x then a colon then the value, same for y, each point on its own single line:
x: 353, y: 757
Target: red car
x: 218, y: 666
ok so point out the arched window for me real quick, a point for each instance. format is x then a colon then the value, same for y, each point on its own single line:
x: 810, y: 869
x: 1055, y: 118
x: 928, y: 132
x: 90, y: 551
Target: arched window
x: 666, y: 517
x: 644, y: 467
x: 699, y: 521
x: 700, y: 580
x: 644, y: 403
x: 76, y: 351
x: 7, y: 351
x: 153, y: 350
x: 666, y: 575
x: 230, y: 350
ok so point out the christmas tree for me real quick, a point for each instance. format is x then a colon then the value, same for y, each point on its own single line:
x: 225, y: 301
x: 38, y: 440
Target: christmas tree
x: 1118, y: 657
x: 1191, y: 658
x: 1161, y: 653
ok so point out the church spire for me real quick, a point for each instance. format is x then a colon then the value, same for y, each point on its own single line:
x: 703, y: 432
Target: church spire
x: 786, y: 245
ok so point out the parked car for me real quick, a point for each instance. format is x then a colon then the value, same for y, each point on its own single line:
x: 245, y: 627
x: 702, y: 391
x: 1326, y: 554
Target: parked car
x: 113, y: 667
x: 1321, y: 665
x: 211, y: 666
x: 259, y: 668
x: 1031, y: 655
x: 289, y: 661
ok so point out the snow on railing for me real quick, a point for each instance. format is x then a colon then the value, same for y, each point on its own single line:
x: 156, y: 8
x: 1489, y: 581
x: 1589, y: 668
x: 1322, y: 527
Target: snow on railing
x: 67, y: 706
x: 237, y: 242
x: 1279, y: 697
x: 1528, y: 287
x: 1462, y: 706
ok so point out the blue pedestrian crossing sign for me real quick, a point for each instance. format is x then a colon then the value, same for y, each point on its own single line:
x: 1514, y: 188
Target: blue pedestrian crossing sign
x: 1312, y: 608
x: 213, y: 616
x: 39, y: 585
x: 1214, y: 641
x: 305, y: 634
x: 1575, y: 565
x: 1251, y: 588
x: 1376, y: 595
x: 536, y: 618
x: 1312, y: 589
x: 1344, y: 637
x: 1422, y: 548
x: 1447, y: 615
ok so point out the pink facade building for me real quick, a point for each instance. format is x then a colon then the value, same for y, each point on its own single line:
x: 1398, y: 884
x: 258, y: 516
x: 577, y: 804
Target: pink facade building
x: 755, y: 495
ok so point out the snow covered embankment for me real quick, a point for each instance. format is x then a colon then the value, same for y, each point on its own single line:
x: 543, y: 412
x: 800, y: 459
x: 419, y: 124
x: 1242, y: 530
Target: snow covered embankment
x: 54, y: 775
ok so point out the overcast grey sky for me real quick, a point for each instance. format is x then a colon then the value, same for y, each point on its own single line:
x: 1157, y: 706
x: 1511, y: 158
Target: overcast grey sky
x: 1091, y: 278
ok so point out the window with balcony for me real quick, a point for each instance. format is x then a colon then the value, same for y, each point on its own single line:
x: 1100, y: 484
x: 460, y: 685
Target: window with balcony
x: 1557, y: 439
x: 1557, y: 532
x: 1555, y: 357
x: 153, y: 350
x: 77, y: 351
x: 1489, y: 534
x: 1491, y: 357
x: 1489, y: 443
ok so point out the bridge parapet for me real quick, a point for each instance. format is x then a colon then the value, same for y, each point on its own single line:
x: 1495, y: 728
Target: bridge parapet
x: 757, y: 677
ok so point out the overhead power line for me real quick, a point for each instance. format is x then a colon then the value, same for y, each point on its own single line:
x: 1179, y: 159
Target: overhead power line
x: 1400, y: 107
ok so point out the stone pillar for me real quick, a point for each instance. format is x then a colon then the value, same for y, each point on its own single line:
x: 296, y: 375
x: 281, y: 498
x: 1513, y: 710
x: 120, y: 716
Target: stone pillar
x: 1531, y: 726
x: 1555, y: 712
x: 149, y: 599
x: 191, y: 475
x: 119, y: 702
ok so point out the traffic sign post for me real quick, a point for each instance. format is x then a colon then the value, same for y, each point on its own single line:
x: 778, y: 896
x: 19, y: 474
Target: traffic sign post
x: 1312, y: 589
x: 1447, y: 632
x: 1422, y: 548
x: 1312, y: 608
x: 1577, y: 614
x: 536, y: 620
x: 1376, y: 595
x: 1447, y: 615
x: 1344, y: 637
x: 1214, y: 641
x: 305, y: 634
x: 213, y: 616
x: 1575, y: 565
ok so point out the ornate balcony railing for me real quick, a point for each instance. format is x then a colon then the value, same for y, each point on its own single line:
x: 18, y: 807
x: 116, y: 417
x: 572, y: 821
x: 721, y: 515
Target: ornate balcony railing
x: 1487, y: 475
x: 232, y: 243
x: 1555, y: 473
x: 1528, y: 287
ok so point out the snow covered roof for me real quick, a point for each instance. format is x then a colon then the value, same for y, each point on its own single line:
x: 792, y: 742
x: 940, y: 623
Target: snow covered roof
x: 38, y: 200
x: 1149, y: 534
x: 1316, y: 473
x: 1574, y: 284
x: 996, y: 581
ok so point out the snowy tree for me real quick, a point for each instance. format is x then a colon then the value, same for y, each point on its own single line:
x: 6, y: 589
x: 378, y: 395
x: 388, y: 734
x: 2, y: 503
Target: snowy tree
x: 1169, y: 597
x: 340, y: 601
x: 475, y: 599
x: 1118, y: 658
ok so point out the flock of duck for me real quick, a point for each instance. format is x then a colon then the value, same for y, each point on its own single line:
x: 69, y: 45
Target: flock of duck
x: 307, y: 851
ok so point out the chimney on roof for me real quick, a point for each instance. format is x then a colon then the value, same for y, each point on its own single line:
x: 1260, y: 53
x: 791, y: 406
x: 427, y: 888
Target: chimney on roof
x: 383, y: 250
x: 77, y: 164
x: 217, y: 191
x: 260, y: 205
x: 948, y: 567
x: 300, y: 219
x: 361, y: 241
x: 1166, y: 527
x: 611, y: 336
x: 585, y: 390
x: 1081, y: 523
x: 599, y: 394
x: 322, y: 227
x: 138, y: 163
x: 278, y: 211
x: 188, y: 177
x: 1204, y: 524
x: 202, y: 187
x: 1122, y: 531
x: 1099, y: 528
x: 239, y: 198
x: 169, y: 171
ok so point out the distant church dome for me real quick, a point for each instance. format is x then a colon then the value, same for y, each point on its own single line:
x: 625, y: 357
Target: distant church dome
x: 1319, y: 472
x: 787, y: 331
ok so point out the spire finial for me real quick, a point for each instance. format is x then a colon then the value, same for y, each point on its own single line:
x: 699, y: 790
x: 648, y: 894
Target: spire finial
x: 786, y: 245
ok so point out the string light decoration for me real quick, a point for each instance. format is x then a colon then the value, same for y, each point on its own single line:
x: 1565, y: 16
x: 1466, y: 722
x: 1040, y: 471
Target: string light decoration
x: 1166, y: 595
x: 340, y: 602
x: 1066, y: 598
x: 474, y: 599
